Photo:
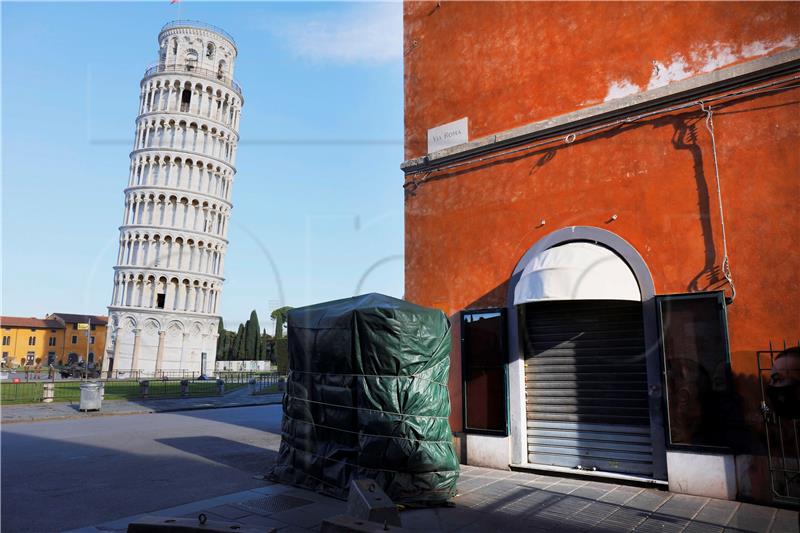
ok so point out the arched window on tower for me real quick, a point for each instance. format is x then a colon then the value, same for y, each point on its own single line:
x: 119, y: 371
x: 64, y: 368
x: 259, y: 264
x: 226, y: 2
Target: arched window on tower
x: 210, y: 51
x: 186, y: 99
x: 174, y: 46
x: 221, y: 69
x: 191, y: 59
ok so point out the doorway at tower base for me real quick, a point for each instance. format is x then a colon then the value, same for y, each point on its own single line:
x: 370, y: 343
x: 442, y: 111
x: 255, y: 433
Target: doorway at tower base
x: 367, y: 397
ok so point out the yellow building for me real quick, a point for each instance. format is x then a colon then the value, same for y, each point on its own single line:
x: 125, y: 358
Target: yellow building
x: 30, y: 341
x: 78, y: 344
x: 55, y: 339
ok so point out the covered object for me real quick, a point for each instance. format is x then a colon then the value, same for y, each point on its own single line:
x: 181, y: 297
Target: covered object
x: 366, y: 397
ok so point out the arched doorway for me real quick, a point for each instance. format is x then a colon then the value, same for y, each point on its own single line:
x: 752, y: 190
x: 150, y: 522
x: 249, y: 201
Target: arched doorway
x: 585, y: 379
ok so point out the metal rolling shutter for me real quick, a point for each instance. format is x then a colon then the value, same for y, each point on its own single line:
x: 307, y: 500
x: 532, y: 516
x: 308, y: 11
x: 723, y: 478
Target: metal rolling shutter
x: 586, y: 386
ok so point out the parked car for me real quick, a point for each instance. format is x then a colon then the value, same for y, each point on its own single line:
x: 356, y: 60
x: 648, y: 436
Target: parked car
x: 78, y: 370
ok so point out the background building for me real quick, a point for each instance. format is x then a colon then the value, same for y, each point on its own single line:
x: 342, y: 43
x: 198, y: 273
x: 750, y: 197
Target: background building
x: 585, y: 183
x: 169, y: 273
x: 77, y: 344
x: 55, y: 339
x: 31, y: 341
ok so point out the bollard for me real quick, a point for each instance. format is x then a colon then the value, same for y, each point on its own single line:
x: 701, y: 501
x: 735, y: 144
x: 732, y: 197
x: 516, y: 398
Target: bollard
x: 252, y: 383
x: 367, y: 501
x: 184, y: 388
x: 48, y: 392
x: 220, y: 386
x: 282, y: 384
x: 144, y: 388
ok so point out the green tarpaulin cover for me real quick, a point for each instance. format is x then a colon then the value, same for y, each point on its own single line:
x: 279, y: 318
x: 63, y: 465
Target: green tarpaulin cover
x: 366, y: 397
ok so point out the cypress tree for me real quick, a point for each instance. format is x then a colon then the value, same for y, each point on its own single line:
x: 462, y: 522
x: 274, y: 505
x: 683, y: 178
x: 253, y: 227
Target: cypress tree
x: 251, y: 336
x: 263, y: 353
x: 229, y: 338
x: 221, y: 341
x: 238, y: 344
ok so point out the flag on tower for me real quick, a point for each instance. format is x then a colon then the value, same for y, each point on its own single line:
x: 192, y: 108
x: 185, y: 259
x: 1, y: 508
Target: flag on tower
x: 174, y: 1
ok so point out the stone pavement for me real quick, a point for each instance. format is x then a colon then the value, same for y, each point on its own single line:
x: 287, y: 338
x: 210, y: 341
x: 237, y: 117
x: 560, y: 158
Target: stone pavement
x: 500, y: 501
x: 64, y: 410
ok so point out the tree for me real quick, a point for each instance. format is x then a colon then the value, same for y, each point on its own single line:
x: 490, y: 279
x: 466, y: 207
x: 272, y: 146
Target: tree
x: 282, y: 355
x: 265, y: 346
x: 225, y: 343
x: 238, y: 352
x: 223, y: 347
x: 251, y: 342
x: 251, y: 336
x: 279, y: 315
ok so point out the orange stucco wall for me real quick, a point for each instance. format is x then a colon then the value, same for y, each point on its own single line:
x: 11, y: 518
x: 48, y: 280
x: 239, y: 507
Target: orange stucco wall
x: 505, y: 65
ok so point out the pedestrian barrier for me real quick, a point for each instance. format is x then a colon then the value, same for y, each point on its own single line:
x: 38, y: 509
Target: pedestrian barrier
x: 267, y: 383
x: 167, y: 385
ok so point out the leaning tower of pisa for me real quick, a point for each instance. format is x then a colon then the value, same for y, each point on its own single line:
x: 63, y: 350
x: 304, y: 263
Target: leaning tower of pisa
x: 168, y: 277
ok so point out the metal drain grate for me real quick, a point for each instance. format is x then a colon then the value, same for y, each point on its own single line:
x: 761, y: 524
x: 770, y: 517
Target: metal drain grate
x: 273, y: 504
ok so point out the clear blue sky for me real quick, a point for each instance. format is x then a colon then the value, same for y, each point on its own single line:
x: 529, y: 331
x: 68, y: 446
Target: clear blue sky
x: 318, y: 187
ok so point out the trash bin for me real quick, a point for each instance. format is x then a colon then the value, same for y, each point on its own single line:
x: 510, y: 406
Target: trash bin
x: 220, y: 387
x: 48, y: 392
x: 91, y: 396
x: 144, y: 388
x: 184, y: 388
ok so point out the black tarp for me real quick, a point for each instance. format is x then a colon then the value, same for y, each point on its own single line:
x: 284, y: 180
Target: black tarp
x: 366, y: 397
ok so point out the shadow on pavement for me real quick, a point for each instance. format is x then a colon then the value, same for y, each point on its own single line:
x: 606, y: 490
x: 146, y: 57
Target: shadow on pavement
x: 230, y: 453
x: 238, y: 416
x: 57, y: 484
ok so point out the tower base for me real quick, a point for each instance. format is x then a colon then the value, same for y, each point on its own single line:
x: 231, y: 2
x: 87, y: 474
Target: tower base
x: 151, y: 342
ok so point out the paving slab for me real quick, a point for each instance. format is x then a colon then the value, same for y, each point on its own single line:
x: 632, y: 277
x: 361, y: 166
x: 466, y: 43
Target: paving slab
x: 504, y: 503
x: 229, y: 512
x: 683, y: 506
x: 623, y: 519
x: 648, y: 500
x: 621, y: 494
x: 593, y: 491
x: 749, y: 517
x: 663, y: 524
x: 717, y: 512
x: 786, y: 521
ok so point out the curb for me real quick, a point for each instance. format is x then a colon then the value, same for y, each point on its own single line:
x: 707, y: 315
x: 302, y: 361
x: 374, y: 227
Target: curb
x: 226, y: 406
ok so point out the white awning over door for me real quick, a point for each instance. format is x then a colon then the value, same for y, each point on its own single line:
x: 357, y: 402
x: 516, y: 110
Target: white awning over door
x: 576, y: 271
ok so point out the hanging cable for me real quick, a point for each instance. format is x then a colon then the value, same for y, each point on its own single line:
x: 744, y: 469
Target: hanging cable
x: 726, y: 264
x: 429, y: 171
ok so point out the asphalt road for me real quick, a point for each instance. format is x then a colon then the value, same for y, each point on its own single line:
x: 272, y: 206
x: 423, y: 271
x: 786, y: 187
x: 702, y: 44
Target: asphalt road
x: 67, y: 474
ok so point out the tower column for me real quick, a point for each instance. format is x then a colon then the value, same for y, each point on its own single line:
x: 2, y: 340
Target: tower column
x: 162, y: 335
x: 137, y: 346
x: 184, y: 349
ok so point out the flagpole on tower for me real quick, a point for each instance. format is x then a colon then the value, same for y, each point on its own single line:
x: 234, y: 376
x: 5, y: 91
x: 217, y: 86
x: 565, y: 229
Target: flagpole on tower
x: 180, y: 7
